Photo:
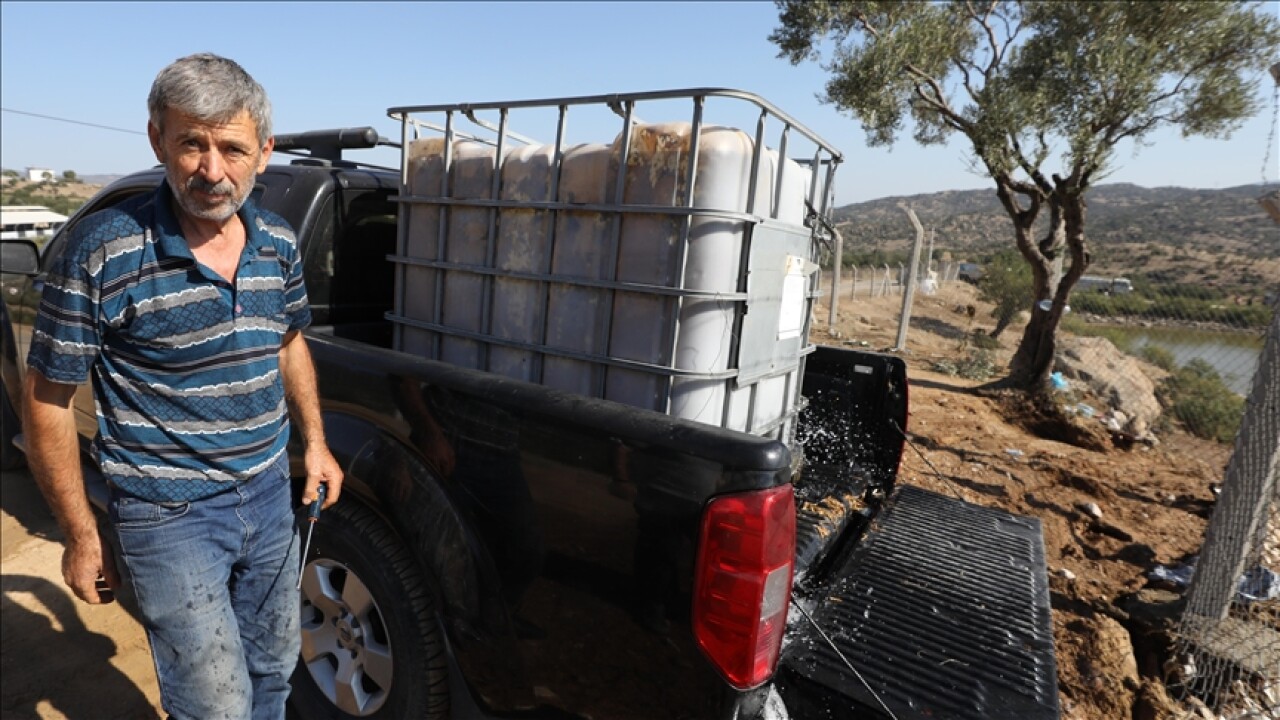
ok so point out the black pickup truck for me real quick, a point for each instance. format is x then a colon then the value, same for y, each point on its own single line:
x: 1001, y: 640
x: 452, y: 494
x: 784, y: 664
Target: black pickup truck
x: 504, y: 549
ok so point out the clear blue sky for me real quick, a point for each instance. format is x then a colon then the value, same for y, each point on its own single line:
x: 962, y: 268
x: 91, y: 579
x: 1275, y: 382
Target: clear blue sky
x: 333, y: 64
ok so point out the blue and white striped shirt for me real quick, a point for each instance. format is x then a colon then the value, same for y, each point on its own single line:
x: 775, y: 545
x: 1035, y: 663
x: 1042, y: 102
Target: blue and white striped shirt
x: 184, y: 365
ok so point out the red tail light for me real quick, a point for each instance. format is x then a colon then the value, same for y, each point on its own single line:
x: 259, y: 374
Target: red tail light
x: 742, y: 585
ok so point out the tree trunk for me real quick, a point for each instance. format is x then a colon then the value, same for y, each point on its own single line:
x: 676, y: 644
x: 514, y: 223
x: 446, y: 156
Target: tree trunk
x: 1002, y: 323
x: 1032, y: 363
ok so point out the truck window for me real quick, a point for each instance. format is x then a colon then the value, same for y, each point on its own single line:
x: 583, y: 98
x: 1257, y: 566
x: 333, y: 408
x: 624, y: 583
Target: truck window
x: 317, y: 264
x: 349, y: 279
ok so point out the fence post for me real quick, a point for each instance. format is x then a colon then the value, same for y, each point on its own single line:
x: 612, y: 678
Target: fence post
x: 884, y: 289
x: 853, y: 286
x: 909, y: 292
x: 835, y: 279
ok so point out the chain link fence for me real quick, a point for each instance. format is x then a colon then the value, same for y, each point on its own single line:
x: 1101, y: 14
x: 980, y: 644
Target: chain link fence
x: 1228, y: 642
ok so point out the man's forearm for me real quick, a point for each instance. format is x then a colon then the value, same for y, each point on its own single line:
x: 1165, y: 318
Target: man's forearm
x: 304, y: 406
x: 53, y: 452
x: 300, y: 392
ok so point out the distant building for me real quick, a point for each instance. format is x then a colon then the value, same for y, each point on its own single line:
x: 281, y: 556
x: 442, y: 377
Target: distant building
x: 38, y: 174
x: 28, y: 222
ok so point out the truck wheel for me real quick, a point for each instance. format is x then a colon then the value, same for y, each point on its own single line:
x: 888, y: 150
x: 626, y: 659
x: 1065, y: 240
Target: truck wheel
x: 10, y: 456
x: 371, y: 645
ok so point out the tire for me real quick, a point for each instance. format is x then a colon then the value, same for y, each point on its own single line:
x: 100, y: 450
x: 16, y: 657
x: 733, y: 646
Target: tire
x: 371, y: 643
x: 11, y: 458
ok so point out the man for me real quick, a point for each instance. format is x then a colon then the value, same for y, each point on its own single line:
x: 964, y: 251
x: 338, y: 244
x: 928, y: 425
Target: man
x: 183, y: 309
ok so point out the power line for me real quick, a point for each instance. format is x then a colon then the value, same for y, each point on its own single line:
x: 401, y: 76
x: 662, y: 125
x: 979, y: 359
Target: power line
x: 73, y: 122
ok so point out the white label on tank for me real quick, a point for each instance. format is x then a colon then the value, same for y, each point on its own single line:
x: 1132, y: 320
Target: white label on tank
x: 794, y: 284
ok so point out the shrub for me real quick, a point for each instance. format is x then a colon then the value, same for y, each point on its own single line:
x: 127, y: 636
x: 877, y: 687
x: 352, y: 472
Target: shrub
x: 984, y: 341
x: 1205, y: 406
x: 977, y: 365
x: 1158, y: 356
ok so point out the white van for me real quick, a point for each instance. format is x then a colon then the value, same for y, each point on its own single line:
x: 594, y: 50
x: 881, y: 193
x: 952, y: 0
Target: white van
x: 1111, y: 286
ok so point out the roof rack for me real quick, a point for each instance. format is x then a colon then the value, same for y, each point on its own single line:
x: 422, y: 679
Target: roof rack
x: 324, y: 147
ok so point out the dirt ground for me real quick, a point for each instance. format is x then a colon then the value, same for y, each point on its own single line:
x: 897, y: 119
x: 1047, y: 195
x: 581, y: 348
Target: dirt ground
x: 58, y: 655
x: 61, y: 659
x: 1154, y: 501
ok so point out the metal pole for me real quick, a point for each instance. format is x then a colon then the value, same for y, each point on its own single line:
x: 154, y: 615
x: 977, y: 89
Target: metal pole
x: 835, y: 280
x: 909, y: 292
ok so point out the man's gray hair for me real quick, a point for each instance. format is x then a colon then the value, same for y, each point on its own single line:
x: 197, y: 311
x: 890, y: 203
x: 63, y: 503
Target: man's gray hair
x: 211, y: 89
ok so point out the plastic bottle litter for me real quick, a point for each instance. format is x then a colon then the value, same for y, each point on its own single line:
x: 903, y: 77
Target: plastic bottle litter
x: 1085, y: 410
x: 1013, y: 452
x: 1059, y: 383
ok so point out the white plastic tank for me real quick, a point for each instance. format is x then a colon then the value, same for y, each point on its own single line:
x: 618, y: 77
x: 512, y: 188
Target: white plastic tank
x: 647, y: 254
x: 571, y: 319
x: 522, y: 246
x: 425, y: 159
x: 471, y: 177
x: 576, y: 319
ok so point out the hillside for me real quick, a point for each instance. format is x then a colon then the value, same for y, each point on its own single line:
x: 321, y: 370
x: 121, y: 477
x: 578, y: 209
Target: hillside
x: 1171, y: 234
x: 59, y: 196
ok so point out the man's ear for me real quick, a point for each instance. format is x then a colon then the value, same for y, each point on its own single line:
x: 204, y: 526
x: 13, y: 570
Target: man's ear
x: 266, y: 154
x: 153, y: 134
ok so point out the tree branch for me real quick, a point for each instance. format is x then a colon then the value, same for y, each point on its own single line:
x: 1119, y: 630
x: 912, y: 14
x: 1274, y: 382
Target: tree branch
x: 861, y: 17
x: 964, y: 75
x: 1031, y: 169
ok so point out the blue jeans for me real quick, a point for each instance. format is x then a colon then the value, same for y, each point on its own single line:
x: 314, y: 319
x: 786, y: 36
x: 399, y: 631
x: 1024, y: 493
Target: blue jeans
x: 214, y: 581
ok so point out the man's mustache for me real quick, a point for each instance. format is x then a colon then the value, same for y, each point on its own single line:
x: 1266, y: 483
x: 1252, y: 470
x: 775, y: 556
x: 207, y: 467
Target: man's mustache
x: 223, y: 187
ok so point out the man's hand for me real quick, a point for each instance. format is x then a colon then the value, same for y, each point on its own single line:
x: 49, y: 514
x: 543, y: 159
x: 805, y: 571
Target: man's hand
x: 83, y: 563
x: 321, y: 468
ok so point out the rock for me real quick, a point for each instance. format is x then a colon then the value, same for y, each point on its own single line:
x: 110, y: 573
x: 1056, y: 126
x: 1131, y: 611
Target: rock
x: 1127, y: 384
x: 1153, y: 608
x: 1091, y: 509
x: 1107, y: 663
x: 1066, y: 574
x: 1111, y: 530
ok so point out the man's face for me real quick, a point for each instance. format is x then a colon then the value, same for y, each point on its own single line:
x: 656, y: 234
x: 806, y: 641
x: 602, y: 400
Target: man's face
x: 210, y: 166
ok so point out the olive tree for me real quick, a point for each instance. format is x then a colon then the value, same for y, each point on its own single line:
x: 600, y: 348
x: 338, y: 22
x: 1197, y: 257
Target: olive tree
x: 1043, y: 92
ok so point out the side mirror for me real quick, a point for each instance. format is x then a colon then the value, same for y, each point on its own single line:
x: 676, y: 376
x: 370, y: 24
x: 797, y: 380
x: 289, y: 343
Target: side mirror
x: 20, y: 257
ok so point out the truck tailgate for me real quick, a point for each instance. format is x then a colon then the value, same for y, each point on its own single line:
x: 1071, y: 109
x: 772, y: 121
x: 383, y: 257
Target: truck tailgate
x: 942, y: 608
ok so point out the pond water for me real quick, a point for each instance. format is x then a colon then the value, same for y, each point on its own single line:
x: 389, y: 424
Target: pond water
x: 1234, y: 355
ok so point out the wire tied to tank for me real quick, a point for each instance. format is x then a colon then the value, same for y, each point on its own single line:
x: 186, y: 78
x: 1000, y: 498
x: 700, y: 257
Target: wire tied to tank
x: 951, y: 485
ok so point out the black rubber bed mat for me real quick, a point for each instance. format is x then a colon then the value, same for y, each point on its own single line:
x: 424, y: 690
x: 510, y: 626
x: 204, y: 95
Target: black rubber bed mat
x: 943, y: 609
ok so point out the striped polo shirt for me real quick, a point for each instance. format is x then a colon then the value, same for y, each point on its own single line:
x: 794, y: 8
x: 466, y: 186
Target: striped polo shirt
x: 184, y: 365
